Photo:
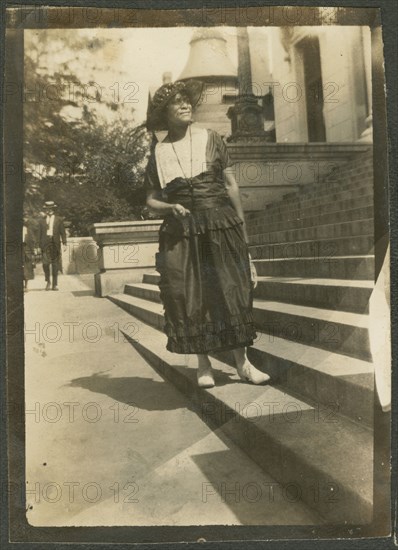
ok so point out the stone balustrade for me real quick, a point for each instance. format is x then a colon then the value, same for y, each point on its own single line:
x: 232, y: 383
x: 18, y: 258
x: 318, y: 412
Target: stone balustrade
x: 267, y: 171
x: 126, y: 251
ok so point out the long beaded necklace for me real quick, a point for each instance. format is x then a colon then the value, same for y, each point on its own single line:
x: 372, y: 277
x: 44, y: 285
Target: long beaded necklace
x: 178, y: 159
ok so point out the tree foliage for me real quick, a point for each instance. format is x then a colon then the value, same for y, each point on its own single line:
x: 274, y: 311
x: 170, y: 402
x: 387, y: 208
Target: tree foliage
x: 91, y: 165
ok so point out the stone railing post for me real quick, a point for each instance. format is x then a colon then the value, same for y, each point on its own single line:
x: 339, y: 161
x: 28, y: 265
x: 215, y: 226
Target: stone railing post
x: 126, y: 251
x: 247, y: 120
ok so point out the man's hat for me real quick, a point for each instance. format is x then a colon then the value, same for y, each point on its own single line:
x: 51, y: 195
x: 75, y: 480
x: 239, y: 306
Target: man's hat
x: 49, y: 204
x: 156, y: 120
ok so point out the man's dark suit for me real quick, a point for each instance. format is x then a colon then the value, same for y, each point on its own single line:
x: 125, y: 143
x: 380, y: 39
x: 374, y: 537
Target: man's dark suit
x: 51, y: 247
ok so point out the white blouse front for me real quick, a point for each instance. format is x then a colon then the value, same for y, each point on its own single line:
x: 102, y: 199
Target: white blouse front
x: 174, y: 160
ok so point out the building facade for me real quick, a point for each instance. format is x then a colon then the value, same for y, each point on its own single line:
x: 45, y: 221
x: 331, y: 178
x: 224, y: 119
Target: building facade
x: 295, y: 107
x: 321, y: 82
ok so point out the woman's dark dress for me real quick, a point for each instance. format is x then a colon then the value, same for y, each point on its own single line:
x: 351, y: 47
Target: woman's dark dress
x: 205, y: 284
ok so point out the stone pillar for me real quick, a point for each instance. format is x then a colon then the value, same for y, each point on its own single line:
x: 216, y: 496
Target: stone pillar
x: 126, y: 251
x: 246, y: 115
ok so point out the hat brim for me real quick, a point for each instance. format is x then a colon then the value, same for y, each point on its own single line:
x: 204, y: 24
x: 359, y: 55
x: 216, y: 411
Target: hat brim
x: 156, y: 120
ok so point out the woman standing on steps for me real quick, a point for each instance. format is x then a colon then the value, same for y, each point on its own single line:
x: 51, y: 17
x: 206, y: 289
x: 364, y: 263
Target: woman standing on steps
x: 206, y: 276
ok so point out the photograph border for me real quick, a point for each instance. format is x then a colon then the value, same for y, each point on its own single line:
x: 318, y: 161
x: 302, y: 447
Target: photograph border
x: 382, y: 17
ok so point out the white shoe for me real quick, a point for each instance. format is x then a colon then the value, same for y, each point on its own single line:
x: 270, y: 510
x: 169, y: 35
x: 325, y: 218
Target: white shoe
x: 249, y: 373
x: 205, y: 377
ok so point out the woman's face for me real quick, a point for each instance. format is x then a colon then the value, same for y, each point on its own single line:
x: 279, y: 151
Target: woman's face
x: 179, y: 110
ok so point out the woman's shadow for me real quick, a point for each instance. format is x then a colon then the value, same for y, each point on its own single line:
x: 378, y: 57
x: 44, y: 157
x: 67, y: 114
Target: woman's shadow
x: 144, y: 393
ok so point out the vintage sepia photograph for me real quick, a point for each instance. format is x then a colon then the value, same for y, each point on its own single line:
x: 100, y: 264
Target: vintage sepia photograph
x: 204, y: 270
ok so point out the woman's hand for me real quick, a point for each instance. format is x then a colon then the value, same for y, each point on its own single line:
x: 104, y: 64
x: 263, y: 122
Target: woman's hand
x: 155, y: 203
x: 180, y: 211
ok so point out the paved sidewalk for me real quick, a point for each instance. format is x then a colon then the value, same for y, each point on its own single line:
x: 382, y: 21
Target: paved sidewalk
x: 109, y: 442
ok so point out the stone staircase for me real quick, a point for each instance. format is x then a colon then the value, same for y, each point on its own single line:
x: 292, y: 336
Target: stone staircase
x: 311, y: 429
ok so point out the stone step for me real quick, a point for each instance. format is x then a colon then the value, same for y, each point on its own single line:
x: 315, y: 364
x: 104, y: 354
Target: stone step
x: 296, y: 211
x: 151, y: 278
x: 322, y: 193
x: 336, y: 331
x: 145, y: 310
x: 340, y: 332
x: 337, y: 267
x: 323, y: 198
x: 346, y: 177
x: 146, y: 291
x: 335, y: 294
x: 334, y: 382
x: 326, y: 459
x: 327, y: 231
x: 325, y: 190
x: 316, y: 220
x: 288, y: 360
x: 308, y: 362
x: 341, y: 246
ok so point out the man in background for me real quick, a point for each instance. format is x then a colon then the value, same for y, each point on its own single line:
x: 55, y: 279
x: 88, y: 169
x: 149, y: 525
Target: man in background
x: 51, y: 232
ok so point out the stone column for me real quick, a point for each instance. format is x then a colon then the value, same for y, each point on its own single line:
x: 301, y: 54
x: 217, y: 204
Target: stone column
x: 246, y: 115
x: 126, y: 251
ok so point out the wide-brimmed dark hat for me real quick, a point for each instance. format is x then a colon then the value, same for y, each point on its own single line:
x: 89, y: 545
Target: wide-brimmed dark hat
x: 156, y: 119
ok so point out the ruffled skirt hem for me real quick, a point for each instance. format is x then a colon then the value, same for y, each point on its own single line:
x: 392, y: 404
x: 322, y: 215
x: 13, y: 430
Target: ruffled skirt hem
x: 232, y: 332
x: 227, y: 339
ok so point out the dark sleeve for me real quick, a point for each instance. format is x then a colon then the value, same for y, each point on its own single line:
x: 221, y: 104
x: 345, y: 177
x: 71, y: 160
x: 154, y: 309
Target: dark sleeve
x: 151, y: 178
x: 222, y: 150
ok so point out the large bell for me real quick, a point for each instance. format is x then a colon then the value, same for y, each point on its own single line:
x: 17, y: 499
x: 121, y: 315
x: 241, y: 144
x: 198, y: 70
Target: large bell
x: 208, y: 56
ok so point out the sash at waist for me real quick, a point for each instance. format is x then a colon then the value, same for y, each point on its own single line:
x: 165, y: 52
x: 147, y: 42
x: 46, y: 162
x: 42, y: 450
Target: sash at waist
x: 210, y: 218
x: 195, y: 204
x: 197, y: 195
